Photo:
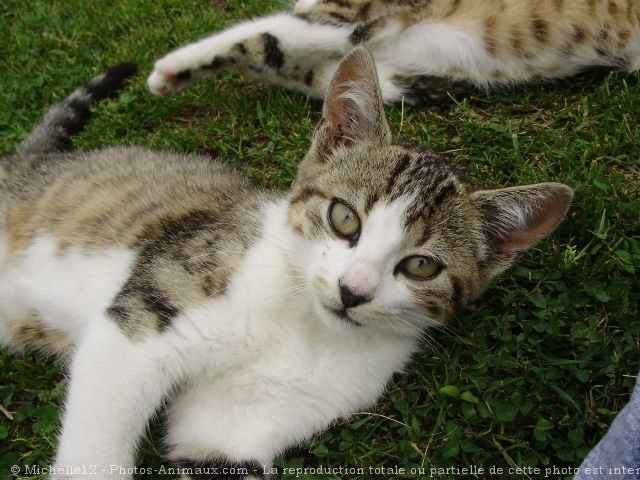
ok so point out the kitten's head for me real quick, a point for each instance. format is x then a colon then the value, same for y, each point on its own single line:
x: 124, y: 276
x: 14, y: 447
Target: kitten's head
x: 390, y: 235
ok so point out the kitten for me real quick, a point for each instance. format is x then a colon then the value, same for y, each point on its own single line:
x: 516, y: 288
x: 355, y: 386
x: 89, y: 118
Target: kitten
x: 259, y: 317
x: 422, y: 48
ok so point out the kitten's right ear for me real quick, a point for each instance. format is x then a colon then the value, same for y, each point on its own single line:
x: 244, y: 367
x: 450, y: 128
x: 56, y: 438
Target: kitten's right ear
x: 353, y: 110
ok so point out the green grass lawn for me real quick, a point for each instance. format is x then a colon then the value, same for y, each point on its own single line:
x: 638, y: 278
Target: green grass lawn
x: 530, y: 376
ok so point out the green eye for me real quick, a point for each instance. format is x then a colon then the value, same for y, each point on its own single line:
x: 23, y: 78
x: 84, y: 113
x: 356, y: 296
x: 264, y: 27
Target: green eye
x: 344, y: 221
x: 420, y: 268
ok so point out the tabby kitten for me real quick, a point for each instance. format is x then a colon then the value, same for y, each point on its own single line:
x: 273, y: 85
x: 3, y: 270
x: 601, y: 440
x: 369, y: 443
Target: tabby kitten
x: 258, y: 317
x: 422, y: 48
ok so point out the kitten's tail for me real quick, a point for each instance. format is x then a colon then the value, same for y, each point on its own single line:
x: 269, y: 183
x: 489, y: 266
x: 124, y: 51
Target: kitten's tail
x: 71, y: 115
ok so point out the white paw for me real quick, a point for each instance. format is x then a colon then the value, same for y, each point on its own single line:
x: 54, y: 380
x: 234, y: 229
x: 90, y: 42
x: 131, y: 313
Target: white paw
x: 169, y: 76
x: 163, y: 82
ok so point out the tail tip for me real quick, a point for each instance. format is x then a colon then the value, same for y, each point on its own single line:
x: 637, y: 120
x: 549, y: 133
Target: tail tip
x: 123, y: 70
x: 111, y: 80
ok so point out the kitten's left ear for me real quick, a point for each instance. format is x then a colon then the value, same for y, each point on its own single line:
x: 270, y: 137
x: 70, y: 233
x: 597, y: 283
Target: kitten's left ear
x: 353, y: 110
x: 514, y: 219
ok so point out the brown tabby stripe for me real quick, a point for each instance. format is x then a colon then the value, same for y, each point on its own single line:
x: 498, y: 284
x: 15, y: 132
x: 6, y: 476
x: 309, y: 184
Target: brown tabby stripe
x: 306, y: 193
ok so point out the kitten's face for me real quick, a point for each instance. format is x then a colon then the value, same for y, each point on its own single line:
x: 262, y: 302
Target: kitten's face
x: 389, y: 236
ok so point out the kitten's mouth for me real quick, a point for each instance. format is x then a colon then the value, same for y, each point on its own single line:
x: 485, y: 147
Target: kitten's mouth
x: 343, y: 315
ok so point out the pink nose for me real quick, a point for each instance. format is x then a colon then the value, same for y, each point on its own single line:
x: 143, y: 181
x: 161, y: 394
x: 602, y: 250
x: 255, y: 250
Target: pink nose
x: 362, y: 278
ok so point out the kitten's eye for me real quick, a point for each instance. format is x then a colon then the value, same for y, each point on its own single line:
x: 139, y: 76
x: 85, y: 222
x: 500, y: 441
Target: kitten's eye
x: 420, y: 268
x: 344, y: 221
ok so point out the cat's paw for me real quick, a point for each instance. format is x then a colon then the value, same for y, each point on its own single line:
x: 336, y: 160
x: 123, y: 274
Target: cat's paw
x: 161, y: 83
x: 168, y: 78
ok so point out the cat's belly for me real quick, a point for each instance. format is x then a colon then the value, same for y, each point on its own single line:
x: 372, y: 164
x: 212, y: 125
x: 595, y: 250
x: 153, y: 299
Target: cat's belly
x: 48, y: 295
x: 294, y: 389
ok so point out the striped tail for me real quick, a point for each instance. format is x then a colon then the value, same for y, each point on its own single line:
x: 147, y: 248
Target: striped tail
x: 71, y: 115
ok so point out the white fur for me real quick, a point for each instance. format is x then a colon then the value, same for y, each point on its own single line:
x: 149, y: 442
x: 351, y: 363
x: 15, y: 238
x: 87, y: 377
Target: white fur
x: 259, y: 371
x: 67, y: 289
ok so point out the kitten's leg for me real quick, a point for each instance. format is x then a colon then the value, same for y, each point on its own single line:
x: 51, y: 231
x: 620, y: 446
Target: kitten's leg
x: 115, y: 386
x: 284, y: 49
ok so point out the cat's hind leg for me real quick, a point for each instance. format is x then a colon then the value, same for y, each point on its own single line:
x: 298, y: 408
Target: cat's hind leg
x: 284, y: 49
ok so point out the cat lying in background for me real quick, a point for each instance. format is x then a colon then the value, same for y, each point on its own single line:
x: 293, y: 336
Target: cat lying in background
x: 257, y: 317
x: 422, y: 48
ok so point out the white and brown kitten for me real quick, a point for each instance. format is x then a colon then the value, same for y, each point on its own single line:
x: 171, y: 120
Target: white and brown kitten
x: 422, y: 48
x: 256, y: 317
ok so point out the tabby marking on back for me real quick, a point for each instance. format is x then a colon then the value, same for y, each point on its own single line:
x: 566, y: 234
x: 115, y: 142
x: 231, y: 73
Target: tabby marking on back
x: 422, y: 48
x: 256, y: 317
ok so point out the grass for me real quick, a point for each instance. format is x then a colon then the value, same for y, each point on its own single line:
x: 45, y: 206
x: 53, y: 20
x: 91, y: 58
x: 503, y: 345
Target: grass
x: 530, y: 376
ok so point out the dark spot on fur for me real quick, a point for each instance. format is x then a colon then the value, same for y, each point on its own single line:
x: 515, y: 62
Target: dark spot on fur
x: 579, y: 34
x: 339, y: 17
x: 540, y: 30
x: 613, y: 8
x: 157, y: 303
x: 184, y: 75
x: 273, y: 56
x: 444, y: 193
x: 623, y: 37
x: 429, y: 89
x: 185, y: 227
x: 240, y: 48
x: 208, y: 286
x: 304, y: 17
x: 308, y: 78
x: 363, y: 13
x: 298, y: 229
x: 119, y: 313
x: 215, y: 64
x: 362, y: 33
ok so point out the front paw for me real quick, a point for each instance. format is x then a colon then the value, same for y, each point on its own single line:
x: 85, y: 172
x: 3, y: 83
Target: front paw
x: 167, y: 79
